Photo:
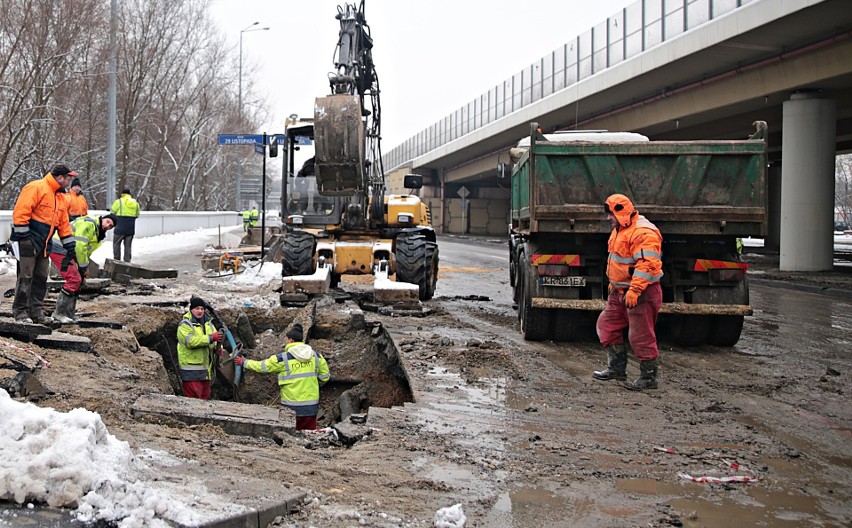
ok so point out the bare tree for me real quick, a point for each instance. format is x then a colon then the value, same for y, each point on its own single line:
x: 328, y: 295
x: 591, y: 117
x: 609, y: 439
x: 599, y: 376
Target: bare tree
x: 843, y: 187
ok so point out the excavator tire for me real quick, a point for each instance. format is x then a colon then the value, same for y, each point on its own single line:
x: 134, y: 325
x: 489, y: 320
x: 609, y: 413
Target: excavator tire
x: 298, y: 254
x: 417, y: 263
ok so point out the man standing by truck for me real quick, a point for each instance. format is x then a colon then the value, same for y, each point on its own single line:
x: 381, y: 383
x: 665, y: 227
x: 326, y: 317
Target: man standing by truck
x: 634, y: 270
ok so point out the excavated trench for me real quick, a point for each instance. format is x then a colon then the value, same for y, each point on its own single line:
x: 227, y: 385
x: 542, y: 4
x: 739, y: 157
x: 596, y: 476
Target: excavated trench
x: 364, y: 363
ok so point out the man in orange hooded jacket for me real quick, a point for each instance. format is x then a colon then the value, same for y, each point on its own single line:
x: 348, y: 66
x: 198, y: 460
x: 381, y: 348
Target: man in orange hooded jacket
x: 41, y: 209
x: 634, y: 269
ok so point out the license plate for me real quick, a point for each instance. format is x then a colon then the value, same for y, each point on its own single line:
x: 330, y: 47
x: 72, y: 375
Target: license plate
x: 562, y: 281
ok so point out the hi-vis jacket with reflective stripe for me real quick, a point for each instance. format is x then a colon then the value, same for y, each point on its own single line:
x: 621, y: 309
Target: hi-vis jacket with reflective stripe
x: 195, y: 348
x: 300, y: 371
x: 126, y: 210
x: 636, y: 248
x: 41, y: 209
x: 87, y: 236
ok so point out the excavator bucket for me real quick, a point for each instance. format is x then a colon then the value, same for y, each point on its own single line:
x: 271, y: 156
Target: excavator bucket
x: 339, y: 143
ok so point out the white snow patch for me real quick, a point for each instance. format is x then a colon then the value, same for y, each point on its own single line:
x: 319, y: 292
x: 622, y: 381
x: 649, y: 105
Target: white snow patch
x: 450, y: 517
x: 71, y: 460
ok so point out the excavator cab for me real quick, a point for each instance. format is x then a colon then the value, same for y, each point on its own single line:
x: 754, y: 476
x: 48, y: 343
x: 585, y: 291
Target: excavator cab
x: 301, y: 200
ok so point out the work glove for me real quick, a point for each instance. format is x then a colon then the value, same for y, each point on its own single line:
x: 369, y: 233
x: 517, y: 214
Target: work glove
x: 84, y: 270
x: 239, y: 360
x: 66, y: 261
x: 631, y: 298
x: 216, y: 336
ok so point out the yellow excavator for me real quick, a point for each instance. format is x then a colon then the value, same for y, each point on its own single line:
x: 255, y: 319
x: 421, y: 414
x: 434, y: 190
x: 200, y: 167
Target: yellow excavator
x: 337, y: 219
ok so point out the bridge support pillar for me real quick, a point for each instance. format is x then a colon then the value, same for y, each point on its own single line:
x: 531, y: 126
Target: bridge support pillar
x: 772, y: 241
x: 807, y: 183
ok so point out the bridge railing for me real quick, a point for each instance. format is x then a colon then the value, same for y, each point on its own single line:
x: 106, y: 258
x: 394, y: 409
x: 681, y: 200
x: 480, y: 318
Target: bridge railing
x: 635, y: 29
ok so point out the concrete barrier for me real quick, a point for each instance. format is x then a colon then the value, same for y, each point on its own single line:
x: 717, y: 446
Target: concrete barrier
x: 151, y: 223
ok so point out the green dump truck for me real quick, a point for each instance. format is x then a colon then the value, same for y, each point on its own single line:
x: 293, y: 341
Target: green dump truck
x: 702, y: 195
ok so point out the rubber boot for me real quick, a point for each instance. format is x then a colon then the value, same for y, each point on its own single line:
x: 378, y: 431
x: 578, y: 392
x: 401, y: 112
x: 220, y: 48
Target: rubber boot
x: 616, y: 364
x: 39, y: 318
x: 65, y: 307
x: 647, y: 376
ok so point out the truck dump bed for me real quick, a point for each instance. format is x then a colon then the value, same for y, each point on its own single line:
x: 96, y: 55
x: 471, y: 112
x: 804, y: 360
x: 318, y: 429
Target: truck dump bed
x: 684, y: 187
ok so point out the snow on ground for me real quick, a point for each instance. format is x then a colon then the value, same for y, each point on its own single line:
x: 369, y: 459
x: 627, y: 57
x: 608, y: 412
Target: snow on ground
x: 71, y: 460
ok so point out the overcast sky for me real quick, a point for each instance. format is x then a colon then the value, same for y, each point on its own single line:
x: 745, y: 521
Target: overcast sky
x: 432, y: 57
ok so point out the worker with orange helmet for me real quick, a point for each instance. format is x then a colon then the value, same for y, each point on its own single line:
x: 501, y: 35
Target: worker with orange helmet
x: 634, y: 270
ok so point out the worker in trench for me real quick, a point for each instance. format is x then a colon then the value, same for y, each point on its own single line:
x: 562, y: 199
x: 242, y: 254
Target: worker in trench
x: 300, y: 371
x: 634, y: 269
x: 198, y: 342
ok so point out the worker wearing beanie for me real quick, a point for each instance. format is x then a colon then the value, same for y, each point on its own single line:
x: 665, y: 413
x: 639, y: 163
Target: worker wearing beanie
x: 77, y: 204
x: 198, y: 340
x: 300, y: 371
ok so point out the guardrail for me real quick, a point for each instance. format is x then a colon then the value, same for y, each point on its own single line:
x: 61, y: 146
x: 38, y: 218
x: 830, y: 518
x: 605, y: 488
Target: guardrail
x: 635, y: 29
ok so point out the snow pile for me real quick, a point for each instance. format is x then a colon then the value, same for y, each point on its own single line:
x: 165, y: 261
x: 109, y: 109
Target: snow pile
x: 258, y: 275
x: 450, y: 517
x: 70, y: 459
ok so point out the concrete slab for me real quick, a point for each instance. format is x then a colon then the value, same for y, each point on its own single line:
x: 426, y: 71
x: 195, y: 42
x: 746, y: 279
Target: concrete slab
x: 91, y: 286
x: 316, y: 284
x: 63, y: 341
x: 117, y: 267
x: 98, y: 323
x: 233, y: 418
x: 21, y: 331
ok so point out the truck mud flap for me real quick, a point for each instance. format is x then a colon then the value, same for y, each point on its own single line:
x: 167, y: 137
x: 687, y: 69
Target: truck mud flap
x: 597, y: 305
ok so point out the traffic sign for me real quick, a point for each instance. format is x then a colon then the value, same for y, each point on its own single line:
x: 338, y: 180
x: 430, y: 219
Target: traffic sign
x: 463, y: 192
x: 248, y: 139
x: 259, y: 149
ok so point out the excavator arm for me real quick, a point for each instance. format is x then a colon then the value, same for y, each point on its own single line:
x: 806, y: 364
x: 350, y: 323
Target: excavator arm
x: 347, y: 124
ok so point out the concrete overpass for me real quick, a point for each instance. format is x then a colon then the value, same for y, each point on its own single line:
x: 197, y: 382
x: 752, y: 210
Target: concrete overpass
x: 691, y: 69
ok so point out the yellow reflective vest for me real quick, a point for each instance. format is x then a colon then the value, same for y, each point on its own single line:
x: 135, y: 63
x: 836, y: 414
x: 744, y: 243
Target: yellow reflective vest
x: 300, y: 371
x: 195, y: 348
x: 85, y: 232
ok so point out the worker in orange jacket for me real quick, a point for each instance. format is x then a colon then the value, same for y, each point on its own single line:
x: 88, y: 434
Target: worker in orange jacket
x: 77, y: 204
x: 634, y: 269
x: 41, y: 209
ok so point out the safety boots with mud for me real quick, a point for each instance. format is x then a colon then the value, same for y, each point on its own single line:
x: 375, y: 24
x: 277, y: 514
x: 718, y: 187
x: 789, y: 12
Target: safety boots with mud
x: 647, y: 376
x: 66, y: 307
x: 616, y: 364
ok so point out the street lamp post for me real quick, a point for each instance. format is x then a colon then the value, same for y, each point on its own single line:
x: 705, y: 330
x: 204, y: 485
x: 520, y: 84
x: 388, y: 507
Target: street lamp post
x: 248, y: 29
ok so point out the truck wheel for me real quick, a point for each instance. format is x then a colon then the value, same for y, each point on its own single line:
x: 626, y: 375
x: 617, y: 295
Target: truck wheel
x: 565, y: 324
x: 690, y: 330
x: 417, y: 263
x: 298, y: 254
x: 535, y: 322
x: 725, y: 330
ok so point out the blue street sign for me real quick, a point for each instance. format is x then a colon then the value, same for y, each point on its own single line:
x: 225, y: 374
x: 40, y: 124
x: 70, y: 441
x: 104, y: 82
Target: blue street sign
x: 259, y: 149
x: 302, y: 140
x: 240, y: 139
x: 249, y: 139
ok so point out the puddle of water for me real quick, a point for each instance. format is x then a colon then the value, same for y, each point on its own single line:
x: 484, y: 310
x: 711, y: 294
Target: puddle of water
x: 527, y: 507
x: 770, y: 508
x: 648, y: 486
x: 479, y: 411
x: 39, y: 516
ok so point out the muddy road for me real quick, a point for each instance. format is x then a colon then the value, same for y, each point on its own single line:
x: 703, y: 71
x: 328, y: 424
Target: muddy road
x: 517, y: 432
